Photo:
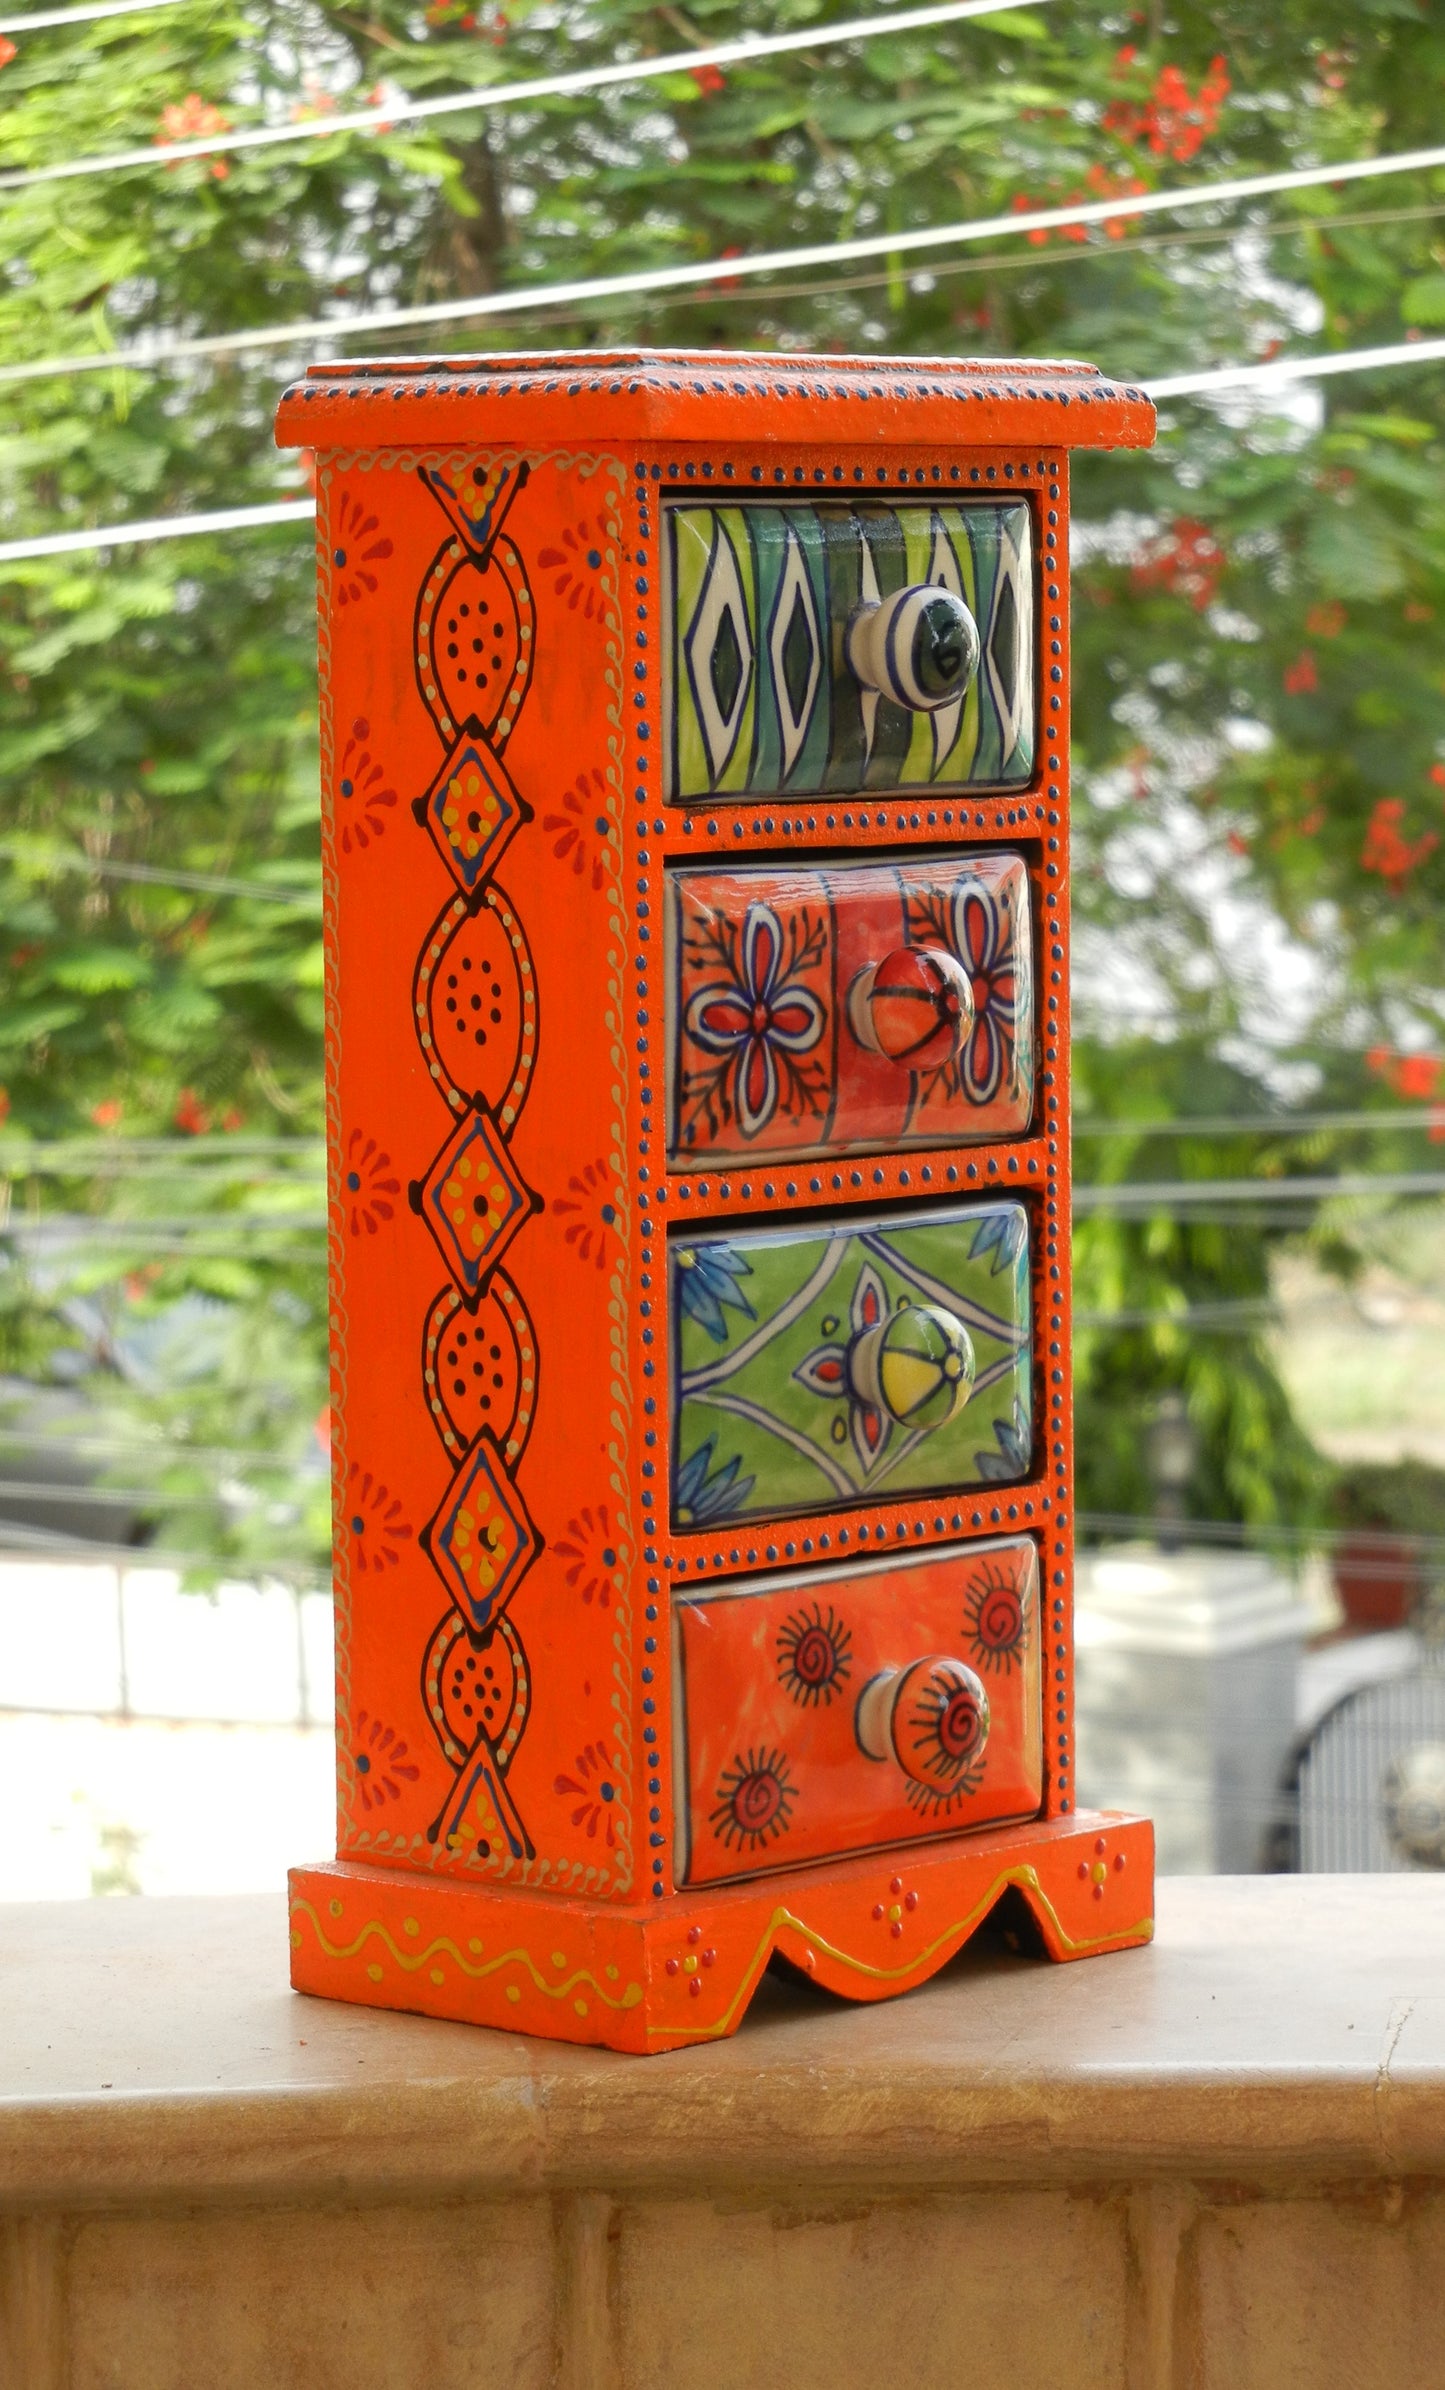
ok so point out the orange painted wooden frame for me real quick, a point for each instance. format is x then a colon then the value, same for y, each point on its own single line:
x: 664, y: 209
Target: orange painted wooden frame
x: 495, y: 835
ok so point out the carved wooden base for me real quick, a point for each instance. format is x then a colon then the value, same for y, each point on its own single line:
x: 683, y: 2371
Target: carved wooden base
x: 684, y: 1969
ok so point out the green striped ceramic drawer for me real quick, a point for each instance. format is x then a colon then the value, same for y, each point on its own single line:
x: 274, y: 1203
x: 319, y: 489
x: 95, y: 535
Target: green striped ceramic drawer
x: 835, y: 647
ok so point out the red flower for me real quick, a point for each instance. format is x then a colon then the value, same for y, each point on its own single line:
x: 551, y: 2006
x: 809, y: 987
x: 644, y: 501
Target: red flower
x: 1174, y: 122
x: 582, y: 827
x: 1326, y: 621
x: 708, y: 78
x: 374, y: 1521
x: 1187, y: 558
x: 1301, y: 677
x: 1387, y: 851
x: 357, y: 550
x: 7, y: 50
x: 579, y: 558
x: 1236, y: 844
x: 107, y: 1113
x: 1416, y: 1076
x: 361, y: 791
x: 1437, y: 774
x: 190, y: 1115
x: 379, y: 1757
x: 193, y: 119
x: 367, y: 1185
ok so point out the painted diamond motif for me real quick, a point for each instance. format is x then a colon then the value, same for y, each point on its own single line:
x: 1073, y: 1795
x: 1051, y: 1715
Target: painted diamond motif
x: 719, y: 654
x: 481, y: 1541
x: 1009, y: 644
x: 473, y: 1201
x: 795, y: 651
x: 471, y: 810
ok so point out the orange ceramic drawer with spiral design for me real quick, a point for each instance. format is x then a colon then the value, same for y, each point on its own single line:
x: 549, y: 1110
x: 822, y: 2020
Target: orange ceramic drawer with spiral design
x: 835, y: 1710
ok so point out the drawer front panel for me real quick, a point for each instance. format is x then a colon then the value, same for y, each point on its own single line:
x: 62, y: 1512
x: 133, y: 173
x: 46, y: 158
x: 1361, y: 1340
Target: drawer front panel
x: 780, y: 1691
x: 825, y: 1367
x: 762, y: 698
x: 810, y: 1012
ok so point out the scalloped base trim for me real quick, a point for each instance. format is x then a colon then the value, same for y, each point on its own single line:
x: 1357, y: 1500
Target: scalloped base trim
x: 685, y: 1969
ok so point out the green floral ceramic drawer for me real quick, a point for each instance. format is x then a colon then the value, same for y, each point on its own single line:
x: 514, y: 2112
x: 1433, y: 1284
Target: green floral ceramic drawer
x: 822, y: 1367
x: 837, y: 647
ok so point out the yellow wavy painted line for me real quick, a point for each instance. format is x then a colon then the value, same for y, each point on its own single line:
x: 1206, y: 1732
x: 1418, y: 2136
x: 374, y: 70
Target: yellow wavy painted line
x: 1026, y: 1878
x: 410, y: 1961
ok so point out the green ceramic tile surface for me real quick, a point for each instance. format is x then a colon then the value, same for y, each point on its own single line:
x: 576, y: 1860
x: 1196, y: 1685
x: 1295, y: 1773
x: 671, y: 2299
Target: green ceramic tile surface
x: 777, y: 1406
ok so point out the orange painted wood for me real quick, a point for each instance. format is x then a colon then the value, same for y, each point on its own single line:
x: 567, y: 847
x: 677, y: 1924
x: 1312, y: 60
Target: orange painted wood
x: 492, y: 584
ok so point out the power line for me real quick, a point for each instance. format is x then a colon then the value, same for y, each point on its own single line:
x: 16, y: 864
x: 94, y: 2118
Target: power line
x: 1179, y: 1194
x: 208, y: 883
x: 125, y: 535
x: 1259, y: 1124
x: 303, y: 510
x: 381, y: 118
x: 38, y: 19
x: 1280, y: 370
x: 143, y: 355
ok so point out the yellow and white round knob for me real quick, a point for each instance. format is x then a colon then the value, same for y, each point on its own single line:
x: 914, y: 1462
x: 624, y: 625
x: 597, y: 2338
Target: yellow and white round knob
x: 917, y: 1366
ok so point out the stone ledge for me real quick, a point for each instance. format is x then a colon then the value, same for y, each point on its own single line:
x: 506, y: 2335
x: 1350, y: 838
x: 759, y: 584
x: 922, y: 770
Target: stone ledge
x: 1287, y: 2029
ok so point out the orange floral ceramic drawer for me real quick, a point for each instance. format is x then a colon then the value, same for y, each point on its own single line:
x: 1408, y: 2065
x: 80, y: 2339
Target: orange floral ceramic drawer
x: 823, y: 1712
x: 847, y: 1008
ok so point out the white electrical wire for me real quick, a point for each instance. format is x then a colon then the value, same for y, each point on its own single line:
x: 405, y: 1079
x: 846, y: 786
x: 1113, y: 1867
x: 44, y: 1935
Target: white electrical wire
x: 38, y: 19
x: 381, y: 118
x: 145, y: 354
x: 303, y: 510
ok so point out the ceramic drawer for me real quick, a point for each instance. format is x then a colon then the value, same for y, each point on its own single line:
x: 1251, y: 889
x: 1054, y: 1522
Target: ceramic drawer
x: 830, y: 1712
x: 769, y: 694
x: 866, y: 1358
x: 843, y: 1008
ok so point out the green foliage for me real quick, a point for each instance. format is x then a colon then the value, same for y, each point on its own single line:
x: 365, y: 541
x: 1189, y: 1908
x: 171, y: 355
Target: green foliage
x: 1258, y: 714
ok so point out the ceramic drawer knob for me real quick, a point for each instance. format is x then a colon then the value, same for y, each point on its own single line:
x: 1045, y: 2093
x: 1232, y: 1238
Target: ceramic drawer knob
x: 917, y: 1367
x: 931, y: 1718
x: 916, y: 1008
x: 920, y: 647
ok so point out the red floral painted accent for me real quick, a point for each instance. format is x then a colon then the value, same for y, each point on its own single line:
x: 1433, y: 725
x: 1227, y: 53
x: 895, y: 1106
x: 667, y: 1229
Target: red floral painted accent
x: 360, y: 785
x: 1387, y: 851
x: 1187, y: 558
x: 577, y: 564
x: 592, y: 1788
x: 589, y: 1548
x: 581, y: 828
x: 357, y: 550
x: 374, y: 1521
x: 367, y: 1184
x: 590, y: 1213
x: 381, y: 1761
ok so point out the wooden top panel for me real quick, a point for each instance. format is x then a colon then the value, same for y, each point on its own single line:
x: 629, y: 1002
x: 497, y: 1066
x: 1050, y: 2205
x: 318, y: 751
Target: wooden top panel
x: 707, y: 396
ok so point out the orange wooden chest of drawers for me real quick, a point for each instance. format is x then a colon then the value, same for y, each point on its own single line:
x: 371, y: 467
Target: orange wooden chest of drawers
x: 695, y: 768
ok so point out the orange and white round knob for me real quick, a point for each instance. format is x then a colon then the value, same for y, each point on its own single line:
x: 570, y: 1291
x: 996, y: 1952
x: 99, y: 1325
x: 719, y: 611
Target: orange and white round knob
x: 931, y: 1718
x: 915, y: 1007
